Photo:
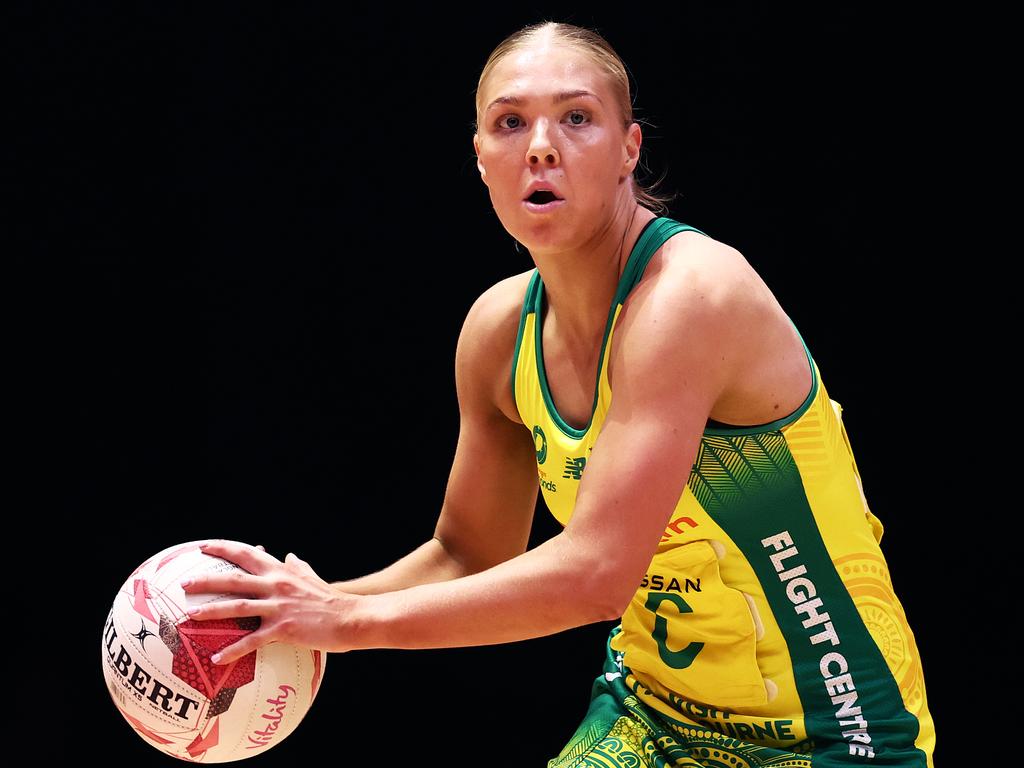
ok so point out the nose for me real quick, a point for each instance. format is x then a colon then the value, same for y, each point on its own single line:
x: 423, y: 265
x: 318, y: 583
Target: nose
x: 542, y: 149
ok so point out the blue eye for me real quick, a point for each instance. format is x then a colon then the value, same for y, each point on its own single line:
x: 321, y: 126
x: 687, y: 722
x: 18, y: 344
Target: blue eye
x: 508, y: 117
x: 575, y: 115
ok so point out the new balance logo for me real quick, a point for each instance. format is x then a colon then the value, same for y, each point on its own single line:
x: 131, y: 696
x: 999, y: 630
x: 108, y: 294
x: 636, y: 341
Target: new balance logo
x: 574, y: 467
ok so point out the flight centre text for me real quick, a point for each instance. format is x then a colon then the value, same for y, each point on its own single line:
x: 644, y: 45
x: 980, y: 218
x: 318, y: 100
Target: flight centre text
x: 839, y: 683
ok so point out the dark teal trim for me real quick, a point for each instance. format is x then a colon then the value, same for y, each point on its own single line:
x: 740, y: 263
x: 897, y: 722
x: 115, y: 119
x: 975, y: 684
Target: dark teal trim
x: 772, y: 426
x: 542, y: 373
x: 527, y: 304
x: 652, y: 236
x: 657, y: 232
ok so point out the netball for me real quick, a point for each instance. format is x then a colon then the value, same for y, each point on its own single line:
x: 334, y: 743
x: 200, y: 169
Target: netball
x: 157, y: 667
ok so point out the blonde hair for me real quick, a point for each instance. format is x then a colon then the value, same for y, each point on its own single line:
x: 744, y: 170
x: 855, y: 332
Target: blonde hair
x: 600, y: 52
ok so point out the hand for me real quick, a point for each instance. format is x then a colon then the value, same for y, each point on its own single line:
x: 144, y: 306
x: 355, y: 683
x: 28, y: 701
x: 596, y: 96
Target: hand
x: 294, y: 604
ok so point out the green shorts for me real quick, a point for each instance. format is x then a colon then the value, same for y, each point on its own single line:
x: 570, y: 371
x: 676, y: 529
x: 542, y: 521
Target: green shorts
x: 620, y: 732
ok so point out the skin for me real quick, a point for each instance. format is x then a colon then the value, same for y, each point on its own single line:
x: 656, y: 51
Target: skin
x: 700, y: 336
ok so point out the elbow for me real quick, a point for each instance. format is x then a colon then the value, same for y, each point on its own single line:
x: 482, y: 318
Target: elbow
x: 618, y: 602
x: 607, y: 608
x: 608, y: 594
x: 596, y: 581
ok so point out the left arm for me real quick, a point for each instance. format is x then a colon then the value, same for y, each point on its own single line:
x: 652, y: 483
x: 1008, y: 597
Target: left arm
x: 673, y: 355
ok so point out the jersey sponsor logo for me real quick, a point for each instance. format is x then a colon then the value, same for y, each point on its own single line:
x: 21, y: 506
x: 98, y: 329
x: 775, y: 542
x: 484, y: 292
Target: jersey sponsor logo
x: 542, y: 450
x: 684, y: 657
x: 676, y: 659
x: 544, y: 482
x: 722, y: 721
x: 834, y: 668
x: 675, y: 526
x: 574, y: 467
x: 657, y: 581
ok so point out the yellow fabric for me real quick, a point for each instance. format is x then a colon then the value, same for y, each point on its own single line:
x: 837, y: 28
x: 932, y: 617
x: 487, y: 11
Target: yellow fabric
x: 701, y: 589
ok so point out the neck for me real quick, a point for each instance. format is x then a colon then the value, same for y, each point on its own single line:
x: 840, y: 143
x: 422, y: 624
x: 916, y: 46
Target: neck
x: 580, y: 282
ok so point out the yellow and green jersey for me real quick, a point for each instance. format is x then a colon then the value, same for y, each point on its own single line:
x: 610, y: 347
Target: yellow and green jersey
x: 767, y: 614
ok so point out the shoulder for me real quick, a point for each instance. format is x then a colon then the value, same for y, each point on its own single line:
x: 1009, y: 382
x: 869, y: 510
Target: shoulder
x: 695, y: 268
x: 498, y: 306
x: 483, y: 358
x: 699, y: 290
x: 695, y: 279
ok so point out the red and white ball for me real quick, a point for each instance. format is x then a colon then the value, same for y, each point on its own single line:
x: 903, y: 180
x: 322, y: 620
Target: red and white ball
x: 156, y: 662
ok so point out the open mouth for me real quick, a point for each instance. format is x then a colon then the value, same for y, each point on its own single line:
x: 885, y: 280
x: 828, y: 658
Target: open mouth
x: 542, y: 196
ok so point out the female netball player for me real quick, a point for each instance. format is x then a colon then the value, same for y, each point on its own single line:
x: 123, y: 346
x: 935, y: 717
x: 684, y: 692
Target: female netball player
x: 648, y: 382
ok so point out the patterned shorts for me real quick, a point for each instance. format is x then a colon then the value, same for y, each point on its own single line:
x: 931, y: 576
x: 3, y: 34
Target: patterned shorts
x: 620, y: 732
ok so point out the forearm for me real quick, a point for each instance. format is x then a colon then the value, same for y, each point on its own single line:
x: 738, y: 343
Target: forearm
x: 543, y: 591
x: 428, y: 563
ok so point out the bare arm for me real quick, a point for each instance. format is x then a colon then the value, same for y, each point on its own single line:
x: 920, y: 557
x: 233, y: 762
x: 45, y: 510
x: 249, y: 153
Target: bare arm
x: 492, y: 488
x: 664, y: 391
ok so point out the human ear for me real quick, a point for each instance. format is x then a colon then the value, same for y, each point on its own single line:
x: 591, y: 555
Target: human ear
x: 631, y: 149
x: 479, y: 162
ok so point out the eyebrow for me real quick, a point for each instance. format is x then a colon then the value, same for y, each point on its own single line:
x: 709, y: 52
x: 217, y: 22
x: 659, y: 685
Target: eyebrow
x: 558, y: 98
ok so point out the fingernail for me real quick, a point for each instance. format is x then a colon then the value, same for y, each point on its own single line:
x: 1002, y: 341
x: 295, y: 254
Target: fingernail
x: 215, y: 658
x: 192, y: 611
x: 204, y: 546
x: 186, y: 583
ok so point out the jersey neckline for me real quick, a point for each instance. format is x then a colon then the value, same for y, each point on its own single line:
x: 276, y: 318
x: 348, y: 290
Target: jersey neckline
x: 628, y: 276
x: 538, y: 326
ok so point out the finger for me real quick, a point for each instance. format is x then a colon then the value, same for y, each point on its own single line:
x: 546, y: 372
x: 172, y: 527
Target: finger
x: 236, y: 582
x: 296, y: 561
x: 248, y: 557
x: 246, y: 645
x: 242, y: 608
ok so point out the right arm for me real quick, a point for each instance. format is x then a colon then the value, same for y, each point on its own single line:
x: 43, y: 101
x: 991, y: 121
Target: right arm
x: 492, y: 488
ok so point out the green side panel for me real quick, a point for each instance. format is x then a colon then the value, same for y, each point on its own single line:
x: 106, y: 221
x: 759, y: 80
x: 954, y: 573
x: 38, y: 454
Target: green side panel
x: 751, y: 486
x: 728, y: 470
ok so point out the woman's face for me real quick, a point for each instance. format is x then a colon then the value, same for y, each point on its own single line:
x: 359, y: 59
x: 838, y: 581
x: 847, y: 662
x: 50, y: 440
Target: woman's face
x: 549, y: 116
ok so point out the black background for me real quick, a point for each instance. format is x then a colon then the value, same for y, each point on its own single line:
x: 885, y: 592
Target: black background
x: 254, y: 233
